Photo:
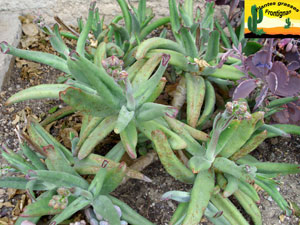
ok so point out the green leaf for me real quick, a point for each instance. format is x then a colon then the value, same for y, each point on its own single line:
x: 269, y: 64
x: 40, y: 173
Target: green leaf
x: 213, y: 46
x: 53, y: 109
x: 124, y: 119
x: 251, y: 48
x: 87, y: 103
x: 38, y: 92
x: 103, y: 206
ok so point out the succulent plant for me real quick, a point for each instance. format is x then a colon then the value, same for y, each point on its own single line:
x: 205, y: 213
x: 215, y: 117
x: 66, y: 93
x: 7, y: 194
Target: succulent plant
x: 64, y: 191
x: 226, y: 168
x: 110, y: 97
x: 291, y: 54
x: 195, y: 56
x: 268, y: 76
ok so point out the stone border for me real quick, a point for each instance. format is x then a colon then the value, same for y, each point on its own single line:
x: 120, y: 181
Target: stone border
x: 10, y: 31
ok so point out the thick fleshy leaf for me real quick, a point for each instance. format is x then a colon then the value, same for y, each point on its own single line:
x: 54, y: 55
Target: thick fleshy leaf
x: 37, y: 92
x: 124, y: 118
x: 104, y: 207
x: 294, y: 112
x: 261, y: 97
x: 292, y: 56
x: 282, y: 74
x: 261, y: 62
x: 253, y: 69
x: 293, y: 86
x: 293, y: 65
x: 244, y: 89
x: 85, y: 102
x: 290, y: 115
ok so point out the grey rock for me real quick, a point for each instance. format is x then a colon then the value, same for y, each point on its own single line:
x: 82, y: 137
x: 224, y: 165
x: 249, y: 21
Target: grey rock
x: 10, y: 28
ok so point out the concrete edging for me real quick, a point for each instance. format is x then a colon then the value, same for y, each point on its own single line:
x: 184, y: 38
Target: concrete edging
x: 10, y: 31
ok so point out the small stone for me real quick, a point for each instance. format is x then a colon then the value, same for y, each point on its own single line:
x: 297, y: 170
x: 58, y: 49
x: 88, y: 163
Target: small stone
x: 30, y: 29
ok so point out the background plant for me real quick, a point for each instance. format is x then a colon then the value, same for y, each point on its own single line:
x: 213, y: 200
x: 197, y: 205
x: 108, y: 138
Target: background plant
x: 227, y: 165
x: 194, y: 56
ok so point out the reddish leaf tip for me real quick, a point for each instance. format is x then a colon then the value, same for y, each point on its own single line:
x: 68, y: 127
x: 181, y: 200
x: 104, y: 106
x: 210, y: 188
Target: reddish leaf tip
x: 74, y: 55
x: 4, y: 47
x: 165, y: 59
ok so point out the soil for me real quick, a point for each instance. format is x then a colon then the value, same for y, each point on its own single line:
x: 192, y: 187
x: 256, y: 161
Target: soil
x: 143, y: 197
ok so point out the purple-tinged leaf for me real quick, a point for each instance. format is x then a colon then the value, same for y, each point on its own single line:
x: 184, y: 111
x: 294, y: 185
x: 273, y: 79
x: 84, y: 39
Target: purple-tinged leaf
x: 253, y: 69
x: 293, y: 86
x: 244, y: 89
x: 294, y: 112
x: 272, y: 81
x: 262, y: 95
x: 282, y: 117
x: 261, y: 62
x: 293, y: 65
x: 224, y: 58
x: 282, y: 73
x: 292, y: 56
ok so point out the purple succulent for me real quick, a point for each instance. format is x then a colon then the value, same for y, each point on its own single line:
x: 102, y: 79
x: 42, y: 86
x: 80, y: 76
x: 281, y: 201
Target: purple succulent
x: 274, y: 77
x: 290, y: 115
x: 292, y: 55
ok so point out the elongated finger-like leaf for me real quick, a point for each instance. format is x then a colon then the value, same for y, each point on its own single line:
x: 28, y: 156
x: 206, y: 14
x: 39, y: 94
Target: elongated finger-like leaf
x: 42, y: 138
x: 171, y: 163
x: 231, y: 213
x: 212, y: 46
x: 32, y: 156
x: 38, y: 92
x: 146, y: 70
x: 96, y: 136
x: 86, y: 29
x: 188, y: 42
x: 149, y: 28
x: 40, y: 57
x: 245, y: 172
x: 58, y: 178
x: 250, y: 145
x: 241, y: 135
x: 200, y: 196
x: 92, y: 163
x: 195, y: 96
x: 146, y: 89
x: 125, y: 11
x: 249, y: 206
x: 18, y: 183
x: 154, y: 43
x: 129, y: 139
x: 210, y: 100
